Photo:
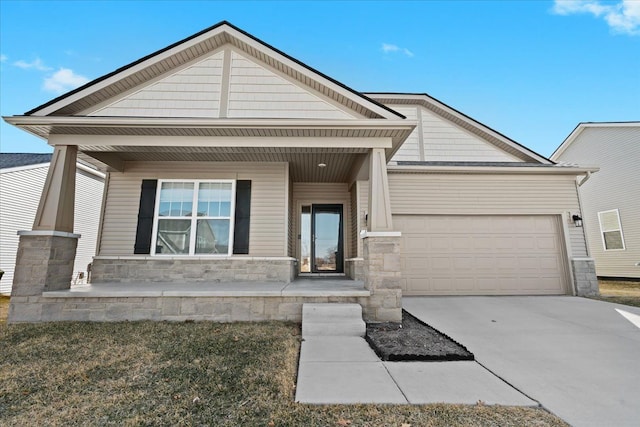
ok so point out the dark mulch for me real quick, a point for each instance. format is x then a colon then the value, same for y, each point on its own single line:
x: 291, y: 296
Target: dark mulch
x: 413, y: 340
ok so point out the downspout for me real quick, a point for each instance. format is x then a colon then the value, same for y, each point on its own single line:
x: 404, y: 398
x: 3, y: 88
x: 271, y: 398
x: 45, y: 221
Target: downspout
x: 586, y: 178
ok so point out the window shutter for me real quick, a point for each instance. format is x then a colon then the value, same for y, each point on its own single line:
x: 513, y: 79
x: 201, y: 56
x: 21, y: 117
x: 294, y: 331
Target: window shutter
x: 242, y: 217
x: 145, y: 216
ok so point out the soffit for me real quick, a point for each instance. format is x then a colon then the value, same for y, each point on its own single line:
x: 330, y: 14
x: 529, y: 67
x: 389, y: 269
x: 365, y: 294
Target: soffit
x: 303, y: 163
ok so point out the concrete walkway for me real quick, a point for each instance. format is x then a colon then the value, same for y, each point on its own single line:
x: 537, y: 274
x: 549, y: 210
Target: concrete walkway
x: 337, y: 366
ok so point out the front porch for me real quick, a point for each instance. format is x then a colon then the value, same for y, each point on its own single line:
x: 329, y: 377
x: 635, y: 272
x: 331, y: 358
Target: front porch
x: 188, y: 301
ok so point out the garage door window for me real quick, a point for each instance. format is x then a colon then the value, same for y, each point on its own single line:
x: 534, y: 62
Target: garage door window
x: 611, y: 230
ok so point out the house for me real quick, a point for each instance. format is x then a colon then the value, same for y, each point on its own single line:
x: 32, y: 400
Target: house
x: 611, y: 198
x: 22, y: 177
x: 237, y: 174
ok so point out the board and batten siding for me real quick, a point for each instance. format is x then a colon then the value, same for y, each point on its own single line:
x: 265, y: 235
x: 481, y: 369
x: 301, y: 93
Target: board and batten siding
x: 437, y: 139
x: 267, y: 235
x: 20, y: 192
x: 471, y: 194
x: 309, y: 193
x: 616, y: 150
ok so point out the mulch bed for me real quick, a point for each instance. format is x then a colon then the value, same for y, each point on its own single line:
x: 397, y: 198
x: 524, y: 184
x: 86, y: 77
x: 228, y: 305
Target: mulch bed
x: 413, y: 340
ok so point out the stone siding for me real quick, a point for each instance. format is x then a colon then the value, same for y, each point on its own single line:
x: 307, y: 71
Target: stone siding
x: 156, y: 269
x: 116, y: 309
x: 584, y: 277
x: 354, y: 268
x: 382, y: 278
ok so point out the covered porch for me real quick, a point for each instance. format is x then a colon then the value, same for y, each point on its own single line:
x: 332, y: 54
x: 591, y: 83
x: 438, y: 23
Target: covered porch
x: 281, y: 160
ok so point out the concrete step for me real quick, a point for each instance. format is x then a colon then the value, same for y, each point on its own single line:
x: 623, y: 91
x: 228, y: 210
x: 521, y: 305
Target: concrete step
x: 332, y: 320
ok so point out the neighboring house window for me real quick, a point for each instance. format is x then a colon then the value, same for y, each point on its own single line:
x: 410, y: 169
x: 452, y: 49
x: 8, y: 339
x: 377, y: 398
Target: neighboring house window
x: 194, y: 217
x: 611, y: 230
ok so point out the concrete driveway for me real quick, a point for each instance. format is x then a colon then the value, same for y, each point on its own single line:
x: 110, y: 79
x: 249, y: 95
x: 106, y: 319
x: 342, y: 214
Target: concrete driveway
x: 579, y: 358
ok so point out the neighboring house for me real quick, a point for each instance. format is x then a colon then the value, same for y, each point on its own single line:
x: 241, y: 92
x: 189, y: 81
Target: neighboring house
x: 229, y: 161
x: 22, y: 177
x: 611, y: 198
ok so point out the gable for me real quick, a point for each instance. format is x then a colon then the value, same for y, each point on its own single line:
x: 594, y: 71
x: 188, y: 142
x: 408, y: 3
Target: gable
x: 227, y: 84
x: 437, y: 139
x: 131, y: 83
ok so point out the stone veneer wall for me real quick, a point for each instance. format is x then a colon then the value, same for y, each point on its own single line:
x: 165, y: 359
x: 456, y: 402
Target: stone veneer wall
x: 157, y: 269
x: 584, y: 277
x: 354, y: 268
x: 382, y: 278
x: 217, y: 309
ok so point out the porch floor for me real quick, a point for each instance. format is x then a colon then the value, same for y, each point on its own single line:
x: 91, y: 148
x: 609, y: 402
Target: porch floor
x: 302, y: 287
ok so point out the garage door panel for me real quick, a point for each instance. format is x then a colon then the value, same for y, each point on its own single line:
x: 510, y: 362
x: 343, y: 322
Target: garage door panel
x: 487, y: 255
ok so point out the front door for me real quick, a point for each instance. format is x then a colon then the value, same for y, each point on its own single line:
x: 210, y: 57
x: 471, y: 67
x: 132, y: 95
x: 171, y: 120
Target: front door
x: 322, y: 231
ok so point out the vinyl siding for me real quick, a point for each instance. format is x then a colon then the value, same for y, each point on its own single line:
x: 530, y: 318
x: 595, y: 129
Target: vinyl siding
x: 437, y: 139
x: 192, y: 92
x: 323, y: 193
x: 19, y: 198
x: 447, y: 194
x: 412, y: 146
x: 616, y: 150
x: 268, y: 198
x: 255, y: 91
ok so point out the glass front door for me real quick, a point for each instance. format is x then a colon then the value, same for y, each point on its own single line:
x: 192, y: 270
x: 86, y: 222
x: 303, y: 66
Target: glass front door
x: 321, y: 239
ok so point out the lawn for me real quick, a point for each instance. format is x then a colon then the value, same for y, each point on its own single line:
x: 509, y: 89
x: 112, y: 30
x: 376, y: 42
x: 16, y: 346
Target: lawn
x: 621, y: 292
x: 159, y: 373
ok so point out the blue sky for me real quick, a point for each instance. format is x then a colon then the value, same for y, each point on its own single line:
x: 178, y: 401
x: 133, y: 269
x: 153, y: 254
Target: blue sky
x: 529, y: 69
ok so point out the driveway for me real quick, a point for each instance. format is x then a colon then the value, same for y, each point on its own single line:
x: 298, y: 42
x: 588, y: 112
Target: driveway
x: 578, y: 357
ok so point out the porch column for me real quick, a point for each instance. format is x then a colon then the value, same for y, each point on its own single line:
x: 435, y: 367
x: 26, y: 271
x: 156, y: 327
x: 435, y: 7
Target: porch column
x: 381, y: 248
x: 45, y: 257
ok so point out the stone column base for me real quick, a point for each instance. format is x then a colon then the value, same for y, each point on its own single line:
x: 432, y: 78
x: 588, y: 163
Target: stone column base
x: 382, y: 277
x: 44, y: 262
x: 585, y: 280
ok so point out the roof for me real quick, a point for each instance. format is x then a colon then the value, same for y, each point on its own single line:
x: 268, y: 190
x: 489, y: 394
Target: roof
x: 155, y: 64
x: 14, y: 160
x: 468, y: 123
x: 584, y: 125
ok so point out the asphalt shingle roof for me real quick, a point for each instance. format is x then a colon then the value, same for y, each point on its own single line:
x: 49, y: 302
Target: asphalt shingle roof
x: 13, y: 160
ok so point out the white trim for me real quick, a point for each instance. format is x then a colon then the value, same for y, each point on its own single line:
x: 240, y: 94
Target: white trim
x: 53, y: 233
x: 364, y: 234
x: 194, y: 218
x: 604, y: 245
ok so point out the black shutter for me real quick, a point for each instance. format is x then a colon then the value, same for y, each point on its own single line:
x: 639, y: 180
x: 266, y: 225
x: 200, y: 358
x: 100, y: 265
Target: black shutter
x: 145, y: 216
x: 242, y: 218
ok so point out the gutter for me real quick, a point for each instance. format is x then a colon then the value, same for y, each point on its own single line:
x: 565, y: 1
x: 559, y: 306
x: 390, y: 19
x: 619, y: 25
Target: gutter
x: 511, y: 170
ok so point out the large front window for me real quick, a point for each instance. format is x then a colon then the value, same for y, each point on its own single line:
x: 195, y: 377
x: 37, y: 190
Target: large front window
x: 194, y: 217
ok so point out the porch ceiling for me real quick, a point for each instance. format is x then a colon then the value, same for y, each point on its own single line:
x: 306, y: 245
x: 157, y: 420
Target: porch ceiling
x: 303, y: 162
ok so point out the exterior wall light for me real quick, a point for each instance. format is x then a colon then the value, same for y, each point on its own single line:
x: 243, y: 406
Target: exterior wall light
x: 577, y: 220
x: 322, y: 165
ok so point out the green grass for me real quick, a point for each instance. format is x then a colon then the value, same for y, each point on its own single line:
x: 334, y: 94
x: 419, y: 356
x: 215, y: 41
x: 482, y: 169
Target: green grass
x: 4, y: 308
x: 159, y: 373
x: 620, y: 292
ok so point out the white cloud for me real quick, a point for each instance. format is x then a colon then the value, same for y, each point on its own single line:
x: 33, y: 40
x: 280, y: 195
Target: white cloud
x: 35, y: 64
x: 388, y: 48
x: 622, y: 17
x: 63, y: 80
x: 3, y: 57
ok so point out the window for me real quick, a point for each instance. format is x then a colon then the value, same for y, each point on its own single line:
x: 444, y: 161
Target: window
x: 194, y: 217
x: 611, y: 230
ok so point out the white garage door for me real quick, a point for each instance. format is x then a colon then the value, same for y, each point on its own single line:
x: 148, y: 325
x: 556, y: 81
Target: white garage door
x: 482, y: 255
